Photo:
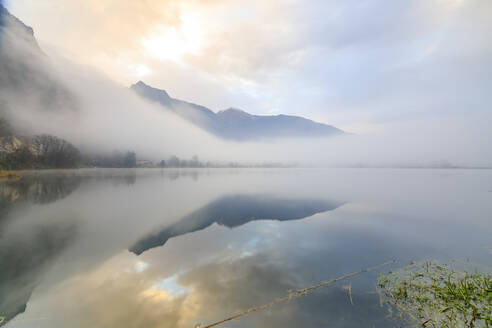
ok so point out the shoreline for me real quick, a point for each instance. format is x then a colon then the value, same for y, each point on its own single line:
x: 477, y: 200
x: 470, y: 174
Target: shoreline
x: 18, y: 173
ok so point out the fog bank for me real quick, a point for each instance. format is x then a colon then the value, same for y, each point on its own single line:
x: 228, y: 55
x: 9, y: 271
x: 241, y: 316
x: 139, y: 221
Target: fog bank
x: 99, y: 115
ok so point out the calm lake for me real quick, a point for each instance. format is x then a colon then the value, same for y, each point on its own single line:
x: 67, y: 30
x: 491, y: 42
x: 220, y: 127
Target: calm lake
x: 174, y: 248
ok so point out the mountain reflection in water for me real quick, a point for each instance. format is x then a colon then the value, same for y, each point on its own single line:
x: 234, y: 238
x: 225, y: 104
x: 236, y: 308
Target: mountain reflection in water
x: 25, y: 261
x: 25, y: 257
x: 236, y: 210
x: 65, y: 235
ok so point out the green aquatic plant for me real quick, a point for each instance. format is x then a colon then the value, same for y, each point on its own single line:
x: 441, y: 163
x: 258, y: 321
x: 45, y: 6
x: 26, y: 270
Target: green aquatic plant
x: 433, y: 295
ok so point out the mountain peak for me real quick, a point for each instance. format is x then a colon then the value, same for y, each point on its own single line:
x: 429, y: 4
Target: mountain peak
x: 141, y: 84
x: 9, y: 20
x: 231, y: 111
x: 151, y: 93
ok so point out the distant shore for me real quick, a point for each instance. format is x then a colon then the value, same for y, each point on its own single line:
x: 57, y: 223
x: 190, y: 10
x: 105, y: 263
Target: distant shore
x: 18, y: 173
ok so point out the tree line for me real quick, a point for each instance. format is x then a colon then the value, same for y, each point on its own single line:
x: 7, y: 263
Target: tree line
x: 194, y: 162
x: 42, y: 151
x: 117, y: 159
x: 48, y: 151
x: 175, y: 161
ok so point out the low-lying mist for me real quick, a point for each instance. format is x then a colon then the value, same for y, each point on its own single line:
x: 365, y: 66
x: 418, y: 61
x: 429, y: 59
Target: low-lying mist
x: 101, y: 116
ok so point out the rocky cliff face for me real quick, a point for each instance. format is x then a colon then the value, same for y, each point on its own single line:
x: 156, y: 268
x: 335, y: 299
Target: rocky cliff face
x: 27, y: 79
x: 28, y: 84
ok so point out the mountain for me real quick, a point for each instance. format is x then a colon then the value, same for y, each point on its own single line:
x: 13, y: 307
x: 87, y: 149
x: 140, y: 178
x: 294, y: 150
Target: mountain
x: 26, y: 70
x: 28, y: 82
x: 237, y: 124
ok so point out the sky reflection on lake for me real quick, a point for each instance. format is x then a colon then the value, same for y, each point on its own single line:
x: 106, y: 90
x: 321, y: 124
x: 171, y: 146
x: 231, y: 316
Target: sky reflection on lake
x: 231, y: 239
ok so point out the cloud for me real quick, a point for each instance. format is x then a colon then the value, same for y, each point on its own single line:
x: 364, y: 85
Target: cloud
x: 338, y: 62
x: 208, y: 292
x: 417, y: 71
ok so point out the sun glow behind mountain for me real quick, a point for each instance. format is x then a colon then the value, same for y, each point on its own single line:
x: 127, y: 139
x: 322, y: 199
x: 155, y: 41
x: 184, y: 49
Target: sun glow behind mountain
x: 175, y: 42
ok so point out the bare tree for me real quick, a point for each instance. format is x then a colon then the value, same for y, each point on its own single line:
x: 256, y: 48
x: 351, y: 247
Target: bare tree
x: 54, y: 152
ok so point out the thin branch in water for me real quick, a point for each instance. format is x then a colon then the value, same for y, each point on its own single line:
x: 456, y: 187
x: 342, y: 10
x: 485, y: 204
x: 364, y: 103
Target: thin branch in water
x: 295, y: 294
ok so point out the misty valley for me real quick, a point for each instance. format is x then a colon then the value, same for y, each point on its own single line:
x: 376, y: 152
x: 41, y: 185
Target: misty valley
x: 200, y: 164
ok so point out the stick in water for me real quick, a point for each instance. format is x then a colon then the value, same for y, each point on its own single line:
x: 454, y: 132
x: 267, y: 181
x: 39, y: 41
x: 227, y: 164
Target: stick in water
x: 296, y: 293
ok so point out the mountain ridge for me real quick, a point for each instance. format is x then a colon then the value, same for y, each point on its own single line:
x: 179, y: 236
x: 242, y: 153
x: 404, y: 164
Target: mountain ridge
x: 6, y: 19
x: 237, y: 124
x: 26, y: 70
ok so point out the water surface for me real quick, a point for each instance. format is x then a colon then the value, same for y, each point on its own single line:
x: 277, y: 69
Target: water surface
x: 173, y: 248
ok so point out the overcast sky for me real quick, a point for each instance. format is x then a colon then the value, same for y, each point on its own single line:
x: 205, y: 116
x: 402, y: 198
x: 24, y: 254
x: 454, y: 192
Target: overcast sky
x: 357, y: 64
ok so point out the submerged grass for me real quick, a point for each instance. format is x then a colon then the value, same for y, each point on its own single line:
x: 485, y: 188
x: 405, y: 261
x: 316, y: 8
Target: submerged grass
x: 427, y: 294
x: 4, y: 173
x: 8, y: 175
